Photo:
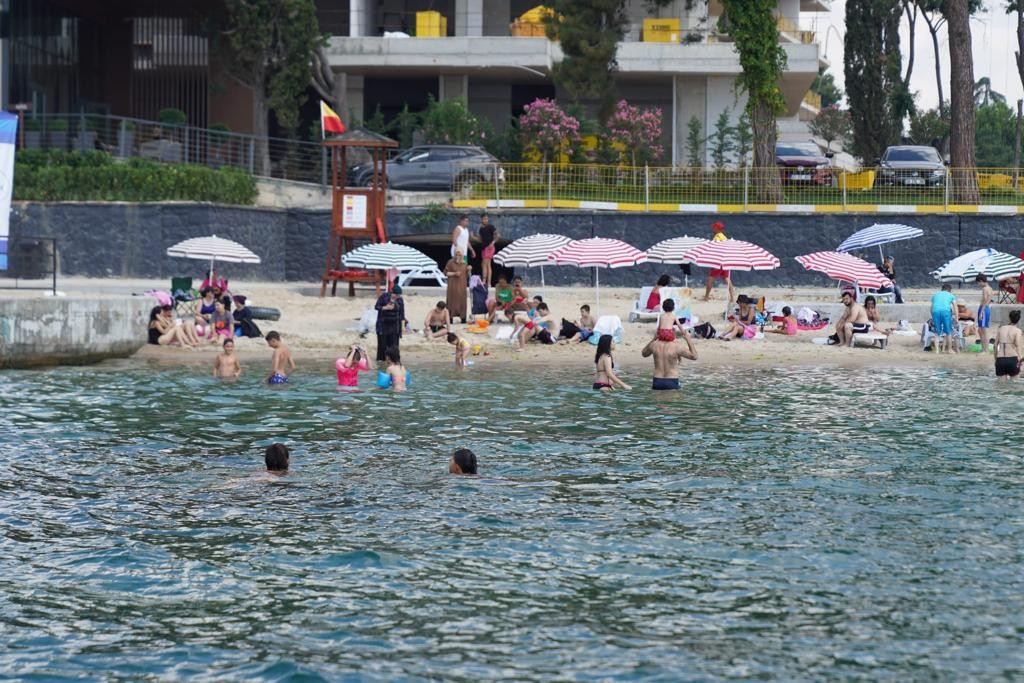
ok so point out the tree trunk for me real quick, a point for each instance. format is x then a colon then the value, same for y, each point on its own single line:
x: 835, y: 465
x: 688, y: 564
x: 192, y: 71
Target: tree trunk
x: 934, y: 30
x: 767, y: 184
x: 260, y: 125
x: 911, y: 10
x: 961, y: 87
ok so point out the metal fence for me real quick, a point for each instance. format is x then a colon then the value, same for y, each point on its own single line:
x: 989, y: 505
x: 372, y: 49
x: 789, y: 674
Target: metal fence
x: 668, y: 188
x: 300, y: 160
x: 30, y: 263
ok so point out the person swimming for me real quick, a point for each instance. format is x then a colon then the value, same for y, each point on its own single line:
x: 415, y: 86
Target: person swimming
x: 395, y: 376
x: 463, y: 462
x: 276, y: 458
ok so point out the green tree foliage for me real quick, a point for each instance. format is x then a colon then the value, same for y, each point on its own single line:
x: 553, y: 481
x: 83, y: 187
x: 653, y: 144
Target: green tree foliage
x: 752, y: 24
x: 825, y: 85
x: 53, y: 176
x: 403, y: 126
x: 984, y: 95
x: 929, y: 128
x: 268, y: 45
x: 694, y: 141
x: 831, y: 123
x: 451, y: 123
x: 994, y: 135
x: 722, y: 140
x: 874, y: 87
x: 743, y: 138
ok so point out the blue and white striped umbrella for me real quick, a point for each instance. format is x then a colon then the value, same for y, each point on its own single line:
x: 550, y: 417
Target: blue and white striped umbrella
x: 994, y: 264
x: 386, y: 255
x: 877, y: 235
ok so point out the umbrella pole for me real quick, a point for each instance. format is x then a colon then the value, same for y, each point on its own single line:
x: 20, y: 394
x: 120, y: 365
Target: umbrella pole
x: 542, y: 278
x: 597, y: 291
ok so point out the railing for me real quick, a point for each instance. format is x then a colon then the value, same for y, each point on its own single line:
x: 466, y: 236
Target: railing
x: 655, y: 188
x: 286, y: 159
x: 31, y: 259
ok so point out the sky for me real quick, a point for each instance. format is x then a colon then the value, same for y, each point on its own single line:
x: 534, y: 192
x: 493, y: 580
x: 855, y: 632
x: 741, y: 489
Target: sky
x: 994, y: 41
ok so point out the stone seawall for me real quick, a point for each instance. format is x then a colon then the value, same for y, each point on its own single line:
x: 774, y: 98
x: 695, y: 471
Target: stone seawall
x: 130, y: 240
x: 70, y: 330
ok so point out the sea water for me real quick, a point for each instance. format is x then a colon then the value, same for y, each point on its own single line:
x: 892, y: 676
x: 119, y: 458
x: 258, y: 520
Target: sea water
x: 772, y: 523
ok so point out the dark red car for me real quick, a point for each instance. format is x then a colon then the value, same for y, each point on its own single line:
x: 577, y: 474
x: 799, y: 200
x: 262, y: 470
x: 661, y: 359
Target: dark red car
x: 803, y: 163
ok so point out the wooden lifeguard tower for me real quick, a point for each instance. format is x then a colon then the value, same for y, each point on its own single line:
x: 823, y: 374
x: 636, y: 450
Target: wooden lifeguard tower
x: 357, y: 213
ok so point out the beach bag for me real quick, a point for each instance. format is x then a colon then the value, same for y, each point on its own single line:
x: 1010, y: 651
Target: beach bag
x: 705, y: 331
x: 569, y: 329
x: 479, y: 294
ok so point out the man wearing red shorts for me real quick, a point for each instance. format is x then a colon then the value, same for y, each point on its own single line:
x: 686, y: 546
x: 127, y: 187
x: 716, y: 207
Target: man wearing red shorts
x: 718, y: 228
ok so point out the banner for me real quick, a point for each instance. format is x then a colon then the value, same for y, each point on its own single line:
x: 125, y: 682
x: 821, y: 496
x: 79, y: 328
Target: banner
x: 8, y: 134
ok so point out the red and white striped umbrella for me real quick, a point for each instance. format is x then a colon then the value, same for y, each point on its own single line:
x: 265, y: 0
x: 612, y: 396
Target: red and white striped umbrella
x: 842, y: 266
x: 732, y: 255
x: 597, y: 252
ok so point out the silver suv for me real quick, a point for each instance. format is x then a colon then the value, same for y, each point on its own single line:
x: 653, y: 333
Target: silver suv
x: 911, y: 166
x: 433, y: 167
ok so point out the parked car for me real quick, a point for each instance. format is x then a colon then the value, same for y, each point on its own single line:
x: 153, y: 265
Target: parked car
x: 803, y: 162
x: 433, y: 167
x: 910, y: 166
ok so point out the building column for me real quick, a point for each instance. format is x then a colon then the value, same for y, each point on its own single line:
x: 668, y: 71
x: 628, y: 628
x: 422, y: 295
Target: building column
x: 358, y: 19
x: 351, y: 103
x: 469, y: 18
x: 453, y: 87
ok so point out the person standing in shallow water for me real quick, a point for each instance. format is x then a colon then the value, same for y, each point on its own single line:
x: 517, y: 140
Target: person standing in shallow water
x: 667, y: 355
x: 1009, y: 348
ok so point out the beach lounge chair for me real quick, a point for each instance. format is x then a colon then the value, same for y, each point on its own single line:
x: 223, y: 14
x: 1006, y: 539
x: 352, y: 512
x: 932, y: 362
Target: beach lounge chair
x: 640, y: 313
x: 427, y: 273
x: 184, y: 296
x: 1007, y: 292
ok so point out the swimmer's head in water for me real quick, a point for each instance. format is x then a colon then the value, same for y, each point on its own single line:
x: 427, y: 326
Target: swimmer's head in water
x: 668, y: 305
x: 276, y: 457
x: 463, y: 462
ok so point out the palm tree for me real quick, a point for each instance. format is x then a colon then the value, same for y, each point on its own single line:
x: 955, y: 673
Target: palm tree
x: 984, y: 95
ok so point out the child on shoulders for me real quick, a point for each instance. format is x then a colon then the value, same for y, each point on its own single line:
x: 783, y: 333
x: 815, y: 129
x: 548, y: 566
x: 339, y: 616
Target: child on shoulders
x: 668, y: 322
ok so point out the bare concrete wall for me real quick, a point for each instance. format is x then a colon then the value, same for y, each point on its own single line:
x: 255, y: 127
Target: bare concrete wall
x: 70, y: 330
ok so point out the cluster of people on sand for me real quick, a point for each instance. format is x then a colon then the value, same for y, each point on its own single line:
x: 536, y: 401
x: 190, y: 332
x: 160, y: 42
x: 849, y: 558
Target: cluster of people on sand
x: 218, y: 316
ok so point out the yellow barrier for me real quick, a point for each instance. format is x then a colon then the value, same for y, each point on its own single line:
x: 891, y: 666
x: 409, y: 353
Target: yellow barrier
x: 863, y: 180
x: 995, y: 181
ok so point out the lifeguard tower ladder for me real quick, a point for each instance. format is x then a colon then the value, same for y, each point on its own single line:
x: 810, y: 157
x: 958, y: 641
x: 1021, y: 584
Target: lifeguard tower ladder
x: 357, y: 213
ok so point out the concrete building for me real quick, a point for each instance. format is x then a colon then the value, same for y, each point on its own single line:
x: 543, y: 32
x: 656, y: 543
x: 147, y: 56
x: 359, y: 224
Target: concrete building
x: 497, y: 73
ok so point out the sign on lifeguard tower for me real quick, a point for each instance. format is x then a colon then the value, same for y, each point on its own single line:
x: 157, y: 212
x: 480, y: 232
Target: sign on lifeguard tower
x: 353, y: 212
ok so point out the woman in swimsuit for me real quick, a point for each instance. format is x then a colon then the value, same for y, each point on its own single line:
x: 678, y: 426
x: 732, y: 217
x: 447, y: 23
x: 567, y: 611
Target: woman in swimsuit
x: 745, y: 319
x: 164, y: 331
x: 1008, y: 348
x: 874, y: 317
x: 606, y: 378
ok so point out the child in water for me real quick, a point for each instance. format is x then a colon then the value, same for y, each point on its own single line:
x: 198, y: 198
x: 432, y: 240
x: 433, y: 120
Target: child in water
x: 348, y: 367
x: 462, y: 349
x: 395, y: 371
x: 668, y: 322
x: 227, y: 366
x: 281, y: 364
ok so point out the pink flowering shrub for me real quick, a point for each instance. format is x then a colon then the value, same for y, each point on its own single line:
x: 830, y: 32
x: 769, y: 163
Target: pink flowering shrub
x: 549, y: 130
x: 638, y: 130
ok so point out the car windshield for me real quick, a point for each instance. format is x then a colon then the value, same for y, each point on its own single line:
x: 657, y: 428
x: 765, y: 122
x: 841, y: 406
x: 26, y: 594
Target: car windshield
x: 791, y: 150
x: 905, y: 154
x: 411, y: 154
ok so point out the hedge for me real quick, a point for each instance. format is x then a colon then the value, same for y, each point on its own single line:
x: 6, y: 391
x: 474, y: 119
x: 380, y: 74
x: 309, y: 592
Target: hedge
x: 54, y: 176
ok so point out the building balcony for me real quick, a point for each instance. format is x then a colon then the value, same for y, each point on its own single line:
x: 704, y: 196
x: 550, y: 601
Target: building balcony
x: 500, y: 56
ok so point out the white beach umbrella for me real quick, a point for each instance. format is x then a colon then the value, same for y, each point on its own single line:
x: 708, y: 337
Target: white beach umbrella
x: 213, y: 248
x: 674, y: 250
x: 598, y: 252
x: 386, y: 255
x: 530, y: 251
x: 994, y: 264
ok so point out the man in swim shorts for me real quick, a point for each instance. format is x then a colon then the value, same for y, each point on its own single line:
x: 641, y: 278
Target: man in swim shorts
x: 281, y: 364
x: 438, y: 322
x: 666, y: 360
x: 853, y: 321
x: 984, y: 311
x: 1009, y: 348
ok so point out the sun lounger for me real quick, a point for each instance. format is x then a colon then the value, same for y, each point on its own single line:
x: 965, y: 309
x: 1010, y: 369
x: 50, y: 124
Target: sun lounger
x: 431, y: 272
x: 870, y: 339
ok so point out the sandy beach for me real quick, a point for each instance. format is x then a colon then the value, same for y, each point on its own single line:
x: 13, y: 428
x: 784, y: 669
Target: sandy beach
x: 322, y: 328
